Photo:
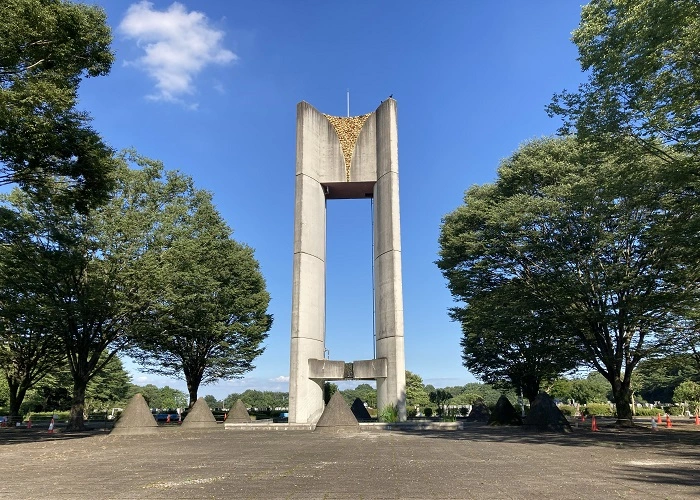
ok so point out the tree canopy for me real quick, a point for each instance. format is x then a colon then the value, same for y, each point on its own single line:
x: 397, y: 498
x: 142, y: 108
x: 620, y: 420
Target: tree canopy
x: 643, y: 74
x: 207, y: 303
x: 597, y: 237
x: 46, y: 48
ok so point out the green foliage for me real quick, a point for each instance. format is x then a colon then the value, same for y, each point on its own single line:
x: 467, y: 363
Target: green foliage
x: 415, y: 391
x: 259, y: 399
x: 46, y: 48
x: 428, y: 411
x: 389, y: 414
x: 643, y: 73
x: 598, y: 409
x: 329, y: 388
x: 440, y: 397
x: 207, y: 303
x: 593, y: 389
x: 659, y: 377
x: 212, y: 402
x: 600, y: 240
x: 688, y: 392
x: 4, y: 392
x: 161, y: 398
x: 365, y: 392
x: 647, y: 412
x: 674, y: 411
x: 567, y: 410
x: 108, y: 388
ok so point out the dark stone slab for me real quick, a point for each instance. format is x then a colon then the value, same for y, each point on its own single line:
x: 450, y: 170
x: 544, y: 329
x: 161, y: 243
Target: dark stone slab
x: 480, y: 412
x: 546, y: 416
x: 359, y: 410
x: 504, y: 413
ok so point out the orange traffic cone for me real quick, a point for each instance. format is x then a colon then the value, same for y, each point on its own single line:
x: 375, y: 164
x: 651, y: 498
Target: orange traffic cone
x: 594, y: 426
x: 658, y: 418
x: 668, y: 421
x: 51, y: 426
x: 697, y: 419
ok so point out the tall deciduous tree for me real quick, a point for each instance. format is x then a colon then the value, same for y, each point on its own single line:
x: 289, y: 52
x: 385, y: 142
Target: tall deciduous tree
x: 207, y: 314
x: 416, y: 394
x: 598, y: 238
x: 29, y: 349
x: 46, y: 48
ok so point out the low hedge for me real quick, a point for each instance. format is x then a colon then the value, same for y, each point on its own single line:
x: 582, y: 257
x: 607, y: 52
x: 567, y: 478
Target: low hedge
x: 59, y: 416
x: 648, y: 412
x: 599, y: 410
x: 568, y: 410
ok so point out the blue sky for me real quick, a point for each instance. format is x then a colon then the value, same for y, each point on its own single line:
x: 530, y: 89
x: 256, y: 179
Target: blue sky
x: 210, y: 88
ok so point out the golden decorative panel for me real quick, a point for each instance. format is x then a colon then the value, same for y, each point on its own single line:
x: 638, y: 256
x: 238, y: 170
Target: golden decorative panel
x: 348, y: 130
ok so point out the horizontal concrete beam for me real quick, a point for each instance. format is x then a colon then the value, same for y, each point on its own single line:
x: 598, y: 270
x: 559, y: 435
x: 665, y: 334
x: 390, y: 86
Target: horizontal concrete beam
x: 325, y: 369
x: 370, y: 369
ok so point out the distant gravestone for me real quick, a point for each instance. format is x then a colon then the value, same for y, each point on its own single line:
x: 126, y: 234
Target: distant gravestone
x: 359, y: 410
x: 238, y: 414
x: 480, y: 412
x: 546, y: 416
x: 135, y: 419
x: 337, y: 417
x: 199, y: 417
x: 504, y: 413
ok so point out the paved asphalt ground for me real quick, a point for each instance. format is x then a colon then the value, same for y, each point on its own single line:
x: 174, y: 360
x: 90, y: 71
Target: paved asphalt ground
x: 477, y: 462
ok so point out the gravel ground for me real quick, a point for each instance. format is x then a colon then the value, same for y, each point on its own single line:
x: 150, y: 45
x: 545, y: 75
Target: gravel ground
x: 477, y: 462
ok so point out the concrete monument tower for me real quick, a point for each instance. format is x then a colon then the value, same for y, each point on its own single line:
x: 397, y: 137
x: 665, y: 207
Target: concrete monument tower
x: 345, y: 158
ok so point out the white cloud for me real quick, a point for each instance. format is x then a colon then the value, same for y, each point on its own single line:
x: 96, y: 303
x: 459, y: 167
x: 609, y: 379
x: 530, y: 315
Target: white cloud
x: 281, y: 378
x: 177, y: 45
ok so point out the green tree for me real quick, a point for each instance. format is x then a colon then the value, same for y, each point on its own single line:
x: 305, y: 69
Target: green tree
x: 93, y: 266
x: 329, y: 388
x: 688, y: 393
x: 212, y: 402
x: 29, y: 349
x: 440, y: 398
x: 512, y: 339
x: 561, y: 389
x: 207, y: 313
x: 595, y: 237
x: 46, y: 48
x: 108, y: 388
x: 592, y: 389
x: 660, y: 376
x: 643, y: 74
x: 415, y: 391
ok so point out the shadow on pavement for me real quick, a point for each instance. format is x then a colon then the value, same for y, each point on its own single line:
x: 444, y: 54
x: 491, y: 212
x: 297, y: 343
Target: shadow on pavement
x: 16, y: 436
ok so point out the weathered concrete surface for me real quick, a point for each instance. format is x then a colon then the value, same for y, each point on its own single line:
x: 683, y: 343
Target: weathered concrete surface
x: 345, y: 157
x: 136, y: 418
x: 238, y: 414
x: 199, y: 417
x: 337, y: 417
x: 479, y: 462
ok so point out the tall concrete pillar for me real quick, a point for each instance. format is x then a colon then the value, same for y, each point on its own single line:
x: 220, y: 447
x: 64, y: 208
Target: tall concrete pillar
x: 344, y: 158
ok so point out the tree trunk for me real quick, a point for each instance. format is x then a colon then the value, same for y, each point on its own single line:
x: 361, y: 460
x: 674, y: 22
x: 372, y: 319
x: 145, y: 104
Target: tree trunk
x: 77, y: 410
x: 623, y: 397
x: 193, y: 389
x: 17, y: 393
